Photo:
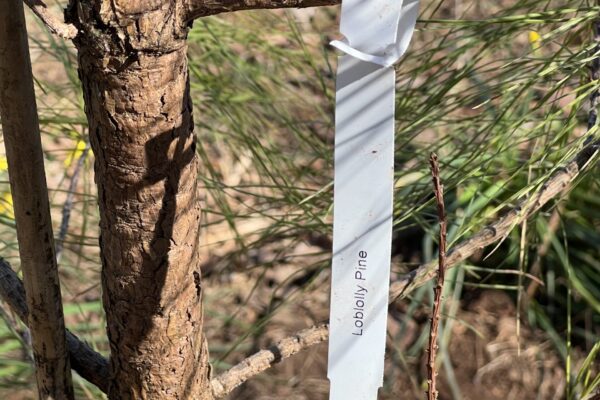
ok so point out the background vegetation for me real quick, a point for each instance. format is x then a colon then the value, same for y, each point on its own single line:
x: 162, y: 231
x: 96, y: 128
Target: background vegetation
x: 499, y: 90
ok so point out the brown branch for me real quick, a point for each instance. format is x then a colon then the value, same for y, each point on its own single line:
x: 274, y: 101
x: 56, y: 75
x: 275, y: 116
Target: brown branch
x: 203, y: 8
x: 264, y: 359
x: 25, y: 158
x: 554, y: 222
x: 52, y: 22
x: 432, y: 394
x: 557, y: 184
x: 89, y: 364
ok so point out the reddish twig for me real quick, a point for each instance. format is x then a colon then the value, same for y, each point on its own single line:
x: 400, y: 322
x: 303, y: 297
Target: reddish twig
x: 432, y: 394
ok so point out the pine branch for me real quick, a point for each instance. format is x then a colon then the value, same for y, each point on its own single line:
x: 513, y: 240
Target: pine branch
x: 68, y: 206
x: 264, y: 359
x: 25, y: 159
x: 203, y: 8
x: 89, y: 364
x: 51, y: 21
x: 432, y: 394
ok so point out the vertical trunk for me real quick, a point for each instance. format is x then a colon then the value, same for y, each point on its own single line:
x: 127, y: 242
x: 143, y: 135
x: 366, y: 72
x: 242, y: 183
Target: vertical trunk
x: 133, y: 67
x: 32, y: 211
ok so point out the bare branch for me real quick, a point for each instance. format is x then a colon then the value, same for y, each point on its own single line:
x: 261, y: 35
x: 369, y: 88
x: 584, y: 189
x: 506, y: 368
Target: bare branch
x: 432, y: 394
x: 203, y: 8
x: 89, y: 364
x: 52, y: 22
x: 264, y: 359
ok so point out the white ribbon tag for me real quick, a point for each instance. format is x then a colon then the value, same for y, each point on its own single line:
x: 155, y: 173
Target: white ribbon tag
x: 363, y: 191
x: 363, y: 20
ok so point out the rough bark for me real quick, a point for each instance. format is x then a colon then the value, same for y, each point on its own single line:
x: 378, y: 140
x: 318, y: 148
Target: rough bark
x: 133, y: 67
x: 32, y: 212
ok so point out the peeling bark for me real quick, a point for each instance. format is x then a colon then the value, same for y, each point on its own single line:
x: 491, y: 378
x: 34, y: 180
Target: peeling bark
x: 133, y: 67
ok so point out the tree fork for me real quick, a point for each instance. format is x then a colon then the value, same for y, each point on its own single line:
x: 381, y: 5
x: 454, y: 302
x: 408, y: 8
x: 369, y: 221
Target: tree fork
x: 133, y: 68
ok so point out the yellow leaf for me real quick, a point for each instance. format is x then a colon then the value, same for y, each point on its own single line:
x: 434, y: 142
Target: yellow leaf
x: 3, y: 164
x: 534, y: 37
x: 536, y: 41
x: 6, y: 205
x: 76, y: 153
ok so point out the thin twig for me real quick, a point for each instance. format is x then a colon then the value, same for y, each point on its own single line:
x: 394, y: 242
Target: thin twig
x: 89, y: 364
x: 264, y: 359
x: 432, y: 393
x: 52, y: 22
x: 68, y: 206
x: 507, y: 272
x: 22, y: 336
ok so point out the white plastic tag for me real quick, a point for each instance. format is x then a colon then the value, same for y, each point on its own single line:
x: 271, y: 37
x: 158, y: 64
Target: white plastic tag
x: 362, y: 228
x: 377, y: 33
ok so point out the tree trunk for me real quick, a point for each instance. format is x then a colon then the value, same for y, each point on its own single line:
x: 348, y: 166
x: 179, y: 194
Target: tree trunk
x: 133, y: 67
x: 32, y: 211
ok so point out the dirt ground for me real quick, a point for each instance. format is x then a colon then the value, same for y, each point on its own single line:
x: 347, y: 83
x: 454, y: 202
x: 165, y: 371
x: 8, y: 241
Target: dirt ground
x: 488, y: 360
